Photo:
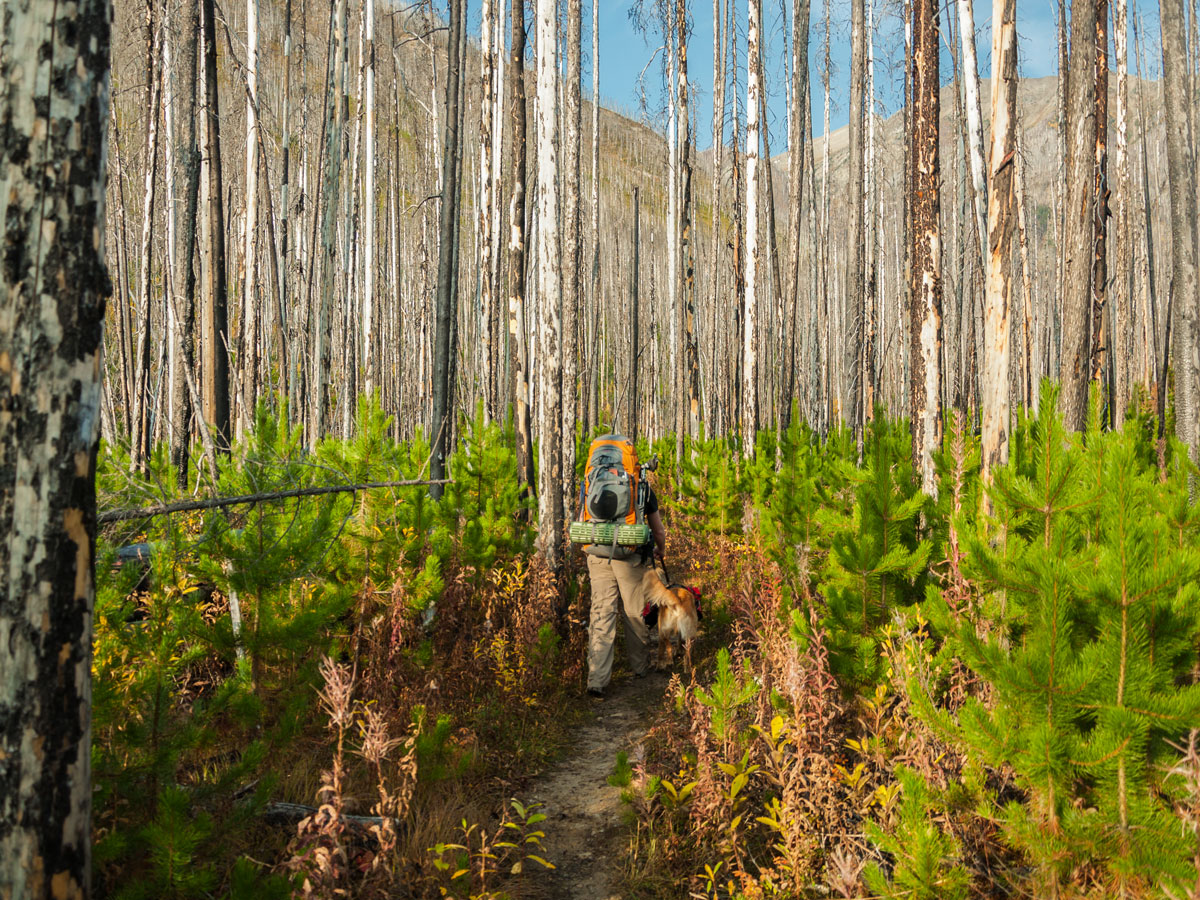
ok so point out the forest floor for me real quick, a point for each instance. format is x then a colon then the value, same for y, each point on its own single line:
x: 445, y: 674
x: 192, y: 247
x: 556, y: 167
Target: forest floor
x: 586, y: 836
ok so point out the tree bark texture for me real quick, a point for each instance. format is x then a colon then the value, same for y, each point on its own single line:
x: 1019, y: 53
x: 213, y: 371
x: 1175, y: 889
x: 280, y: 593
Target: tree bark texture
x: 1097, y: 339
x: 797, y: 145
x: 1001, y: 218
x: 856, y: 301
x: 572, y: 281
x: 549, y: 275
x: 925, y: 286
x: 54, y: 113
x: 446, y: 303
x: 1122, y: 297
x: 690, y: 358
x: 250, y: 325
x: 1182, y: 174
x: 487, y: 187
x: 1080, y: 215
x: 750, y: 419
x: 516, y: 251
x: 214, y: 317
x: 143, y: 398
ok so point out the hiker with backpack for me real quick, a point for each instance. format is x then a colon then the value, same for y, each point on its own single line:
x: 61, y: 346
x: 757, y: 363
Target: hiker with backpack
x: 620, y: 528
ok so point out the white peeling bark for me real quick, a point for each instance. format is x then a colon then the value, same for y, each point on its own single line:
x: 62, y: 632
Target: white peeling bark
x: 966, y: 22
x: 549, y: 280
x: 998, y: 284
x: 750, y: 345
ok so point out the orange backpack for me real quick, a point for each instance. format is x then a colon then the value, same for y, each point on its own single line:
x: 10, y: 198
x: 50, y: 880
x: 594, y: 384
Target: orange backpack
x: 612, y: 468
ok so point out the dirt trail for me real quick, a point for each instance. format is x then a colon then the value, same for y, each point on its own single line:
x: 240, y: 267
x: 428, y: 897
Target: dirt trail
x: 585, y: 837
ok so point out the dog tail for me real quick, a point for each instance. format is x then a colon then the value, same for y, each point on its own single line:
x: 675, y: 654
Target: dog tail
x: 654, y: 591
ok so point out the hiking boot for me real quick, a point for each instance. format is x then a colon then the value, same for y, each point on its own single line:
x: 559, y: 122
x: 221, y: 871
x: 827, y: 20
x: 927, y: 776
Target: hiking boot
x: 595, y: 693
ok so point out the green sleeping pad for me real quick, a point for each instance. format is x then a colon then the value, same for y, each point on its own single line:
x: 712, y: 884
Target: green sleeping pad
x: 602, y: 533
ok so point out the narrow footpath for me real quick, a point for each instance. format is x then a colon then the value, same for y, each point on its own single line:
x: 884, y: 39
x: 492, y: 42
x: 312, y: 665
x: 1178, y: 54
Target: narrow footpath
x: 585, y: 836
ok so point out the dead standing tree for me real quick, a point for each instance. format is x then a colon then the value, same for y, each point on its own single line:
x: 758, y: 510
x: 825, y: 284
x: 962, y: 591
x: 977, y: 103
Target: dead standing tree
x: 925, y: 278
x: 1182, y: 174
x: 54, y: 104
x: 1080, y: 215
x: 516, y: 251
x: 549, y: 272
x: 446, y: 306
x: 1001, y: 217
x: 572, y: 281
x: 856, y: 302
x: 214, y: 310
x: 797, y: 146
x: 750, y: 339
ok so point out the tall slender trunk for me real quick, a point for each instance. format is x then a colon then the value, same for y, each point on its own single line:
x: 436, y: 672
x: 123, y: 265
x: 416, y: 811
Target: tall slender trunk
x: 214, y: 316
x: 596, y: 365
x: 797, y: 145
x: 1060, y: 181
x: 737, y: 267
x: 856, y: 299
x: 1001, y: 197
x: 288, y: 363
x: 188, y: 162
x: 979, y: 198
x: 689, y: 377
x: 830, y: 385
x: 715, y: 263
x: 776, y: 319
x: 634, y: 289
x: 1182, y: 178
x: 53, y: 286
x: 750, y: 338
x: 516, y: 250
x: 1080, y: 217
x: 1096, y: 324
x: 370, y: 203
x: 925, y: 283
x: 572, y: 281
x: 143, y: 401
x: 335, y: 119
x: 1122, y: 302
x: 1028, y: 380
x: 445, y: 303
x: 487, y: 287
x: 250, y: 325
x: 549, y: 271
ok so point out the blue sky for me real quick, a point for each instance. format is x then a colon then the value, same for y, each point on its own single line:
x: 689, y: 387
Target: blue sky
x: 625, y: 53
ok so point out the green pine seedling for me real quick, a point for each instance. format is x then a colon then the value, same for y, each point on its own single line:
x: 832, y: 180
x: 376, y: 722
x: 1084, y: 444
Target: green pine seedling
x: 925, y: 858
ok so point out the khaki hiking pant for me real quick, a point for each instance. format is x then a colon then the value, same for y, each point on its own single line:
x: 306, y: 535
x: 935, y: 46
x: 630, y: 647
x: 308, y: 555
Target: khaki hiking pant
x: 616, y: 592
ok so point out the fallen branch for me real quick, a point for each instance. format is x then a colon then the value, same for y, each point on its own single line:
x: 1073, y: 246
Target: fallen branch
x: 278, y: 813
x: 123, y: 515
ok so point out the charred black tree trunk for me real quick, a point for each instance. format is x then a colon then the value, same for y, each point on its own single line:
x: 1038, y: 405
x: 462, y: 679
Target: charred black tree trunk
x: 53, y: 286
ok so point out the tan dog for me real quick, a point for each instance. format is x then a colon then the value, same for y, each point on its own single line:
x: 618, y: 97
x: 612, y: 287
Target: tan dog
x: 677, y: 617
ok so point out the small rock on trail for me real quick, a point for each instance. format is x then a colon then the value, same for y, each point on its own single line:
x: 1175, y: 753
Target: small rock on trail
x: 585, y: 837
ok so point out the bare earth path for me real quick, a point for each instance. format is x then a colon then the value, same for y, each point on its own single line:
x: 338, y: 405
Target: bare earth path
x: 585, y: 837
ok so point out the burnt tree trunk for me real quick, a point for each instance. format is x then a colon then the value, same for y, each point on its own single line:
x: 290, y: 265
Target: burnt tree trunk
x: 445, y: 304
x: 925, y: 277
x: 1080, y: 215
x: 516, y: 250
x: 214, y: 317
x: 54, y: 110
